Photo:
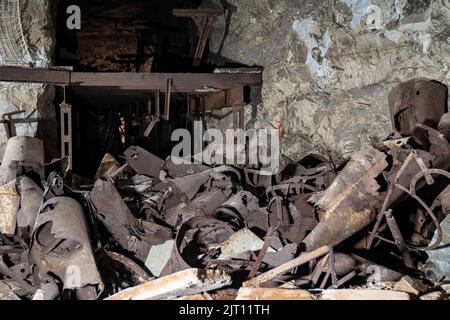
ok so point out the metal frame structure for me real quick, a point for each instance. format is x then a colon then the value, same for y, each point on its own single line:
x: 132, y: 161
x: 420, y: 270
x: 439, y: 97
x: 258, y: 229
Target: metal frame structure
x: 207, y: 91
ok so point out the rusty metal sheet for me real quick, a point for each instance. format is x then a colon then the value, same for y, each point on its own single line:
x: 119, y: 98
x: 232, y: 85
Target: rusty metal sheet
x: 349, y: 204
x: 417, y: 102
x: 108, y: 167
x: 436, y: 144
x: 181, y: 170
x: 61, y: 245
x: 30, y: 201
x: 9, y: 206
x: 203, y: 205
x: 237, y: 208
x: 143, y: 162
x: 141, y: 274
x: 134, y: 235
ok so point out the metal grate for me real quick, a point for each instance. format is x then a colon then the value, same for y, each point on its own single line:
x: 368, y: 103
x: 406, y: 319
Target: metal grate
x: 13, y: 47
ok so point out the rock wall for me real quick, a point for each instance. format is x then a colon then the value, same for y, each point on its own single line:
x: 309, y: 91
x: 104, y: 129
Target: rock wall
x: 329, y: 65
x: 33, y: 101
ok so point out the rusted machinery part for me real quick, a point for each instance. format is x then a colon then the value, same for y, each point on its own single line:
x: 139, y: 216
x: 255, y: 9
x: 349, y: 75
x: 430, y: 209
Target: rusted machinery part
x: 61, y: 245
x: 348, y: 205
x: 207, y: 225
x: 129, y: 263
x: 287, y: 187
x: 412, y: 193
x: 417, y: 101
x: 23, y: 284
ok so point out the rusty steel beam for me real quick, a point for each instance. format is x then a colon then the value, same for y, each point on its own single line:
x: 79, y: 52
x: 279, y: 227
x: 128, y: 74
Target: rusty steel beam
x: 182, y: 82
x: 300, y: 260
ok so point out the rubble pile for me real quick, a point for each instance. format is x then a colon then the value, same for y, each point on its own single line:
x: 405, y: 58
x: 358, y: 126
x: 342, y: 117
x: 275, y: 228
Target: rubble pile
x: 376, y: 226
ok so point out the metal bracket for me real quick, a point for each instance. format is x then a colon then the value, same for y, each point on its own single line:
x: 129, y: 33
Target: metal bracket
x: 66, y: 133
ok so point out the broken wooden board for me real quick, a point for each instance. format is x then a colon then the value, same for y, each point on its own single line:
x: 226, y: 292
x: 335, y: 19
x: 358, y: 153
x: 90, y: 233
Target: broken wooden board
x: 363, y: 294
x: 194, y: 297
x: 184, y: 283
x: 273, y: 294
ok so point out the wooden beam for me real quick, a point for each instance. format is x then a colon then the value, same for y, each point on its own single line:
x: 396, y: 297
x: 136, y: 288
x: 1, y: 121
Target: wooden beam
x: 223, y: 99
x: 197, y: 12
x: 204, y: 35
x: 19, y: 74
x: 182, y: 82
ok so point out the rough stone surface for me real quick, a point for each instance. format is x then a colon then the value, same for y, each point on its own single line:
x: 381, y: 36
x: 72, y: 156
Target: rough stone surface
x: 329, y: 65
x: 35, y: 100
x: 39, y: 30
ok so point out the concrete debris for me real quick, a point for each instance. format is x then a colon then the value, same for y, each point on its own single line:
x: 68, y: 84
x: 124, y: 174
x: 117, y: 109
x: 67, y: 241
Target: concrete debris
x: 319, y: 229
x: 159, y: 256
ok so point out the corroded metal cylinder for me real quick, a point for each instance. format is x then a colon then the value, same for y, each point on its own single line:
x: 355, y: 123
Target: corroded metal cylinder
x: 417, y: 102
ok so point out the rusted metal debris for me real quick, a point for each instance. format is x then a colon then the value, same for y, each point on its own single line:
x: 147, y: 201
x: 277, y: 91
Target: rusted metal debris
x: 183, y: 283
x: 417, y: 102
x: 152, y: 229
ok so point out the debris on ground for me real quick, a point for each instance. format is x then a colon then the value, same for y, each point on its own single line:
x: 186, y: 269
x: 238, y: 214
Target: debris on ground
x: 372, y: 227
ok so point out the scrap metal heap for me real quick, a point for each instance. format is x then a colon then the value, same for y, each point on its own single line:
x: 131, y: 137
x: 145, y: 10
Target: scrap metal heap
x: 374, y: 227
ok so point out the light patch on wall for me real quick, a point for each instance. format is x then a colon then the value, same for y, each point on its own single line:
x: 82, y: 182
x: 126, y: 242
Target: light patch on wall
x: 426, y: 41
x: 393, y: 35
x: 317, y: 47
x: 360, y: 9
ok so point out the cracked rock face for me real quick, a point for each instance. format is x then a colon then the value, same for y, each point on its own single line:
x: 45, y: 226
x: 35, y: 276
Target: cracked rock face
x: 33, y: 101
x: 329, y: 66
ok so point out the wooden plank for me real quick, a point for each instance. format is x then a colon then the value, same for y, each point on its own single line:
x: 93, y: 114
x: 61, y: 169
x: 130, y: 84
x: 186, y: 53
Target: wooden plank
x: 224, y: 99
x: 182, y: 82
x: 204, y: 35
x: 302, y: 259
x: 273, y: 294
x: 197, y: 12
x: 363, y: 294
x: 19, y: 74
